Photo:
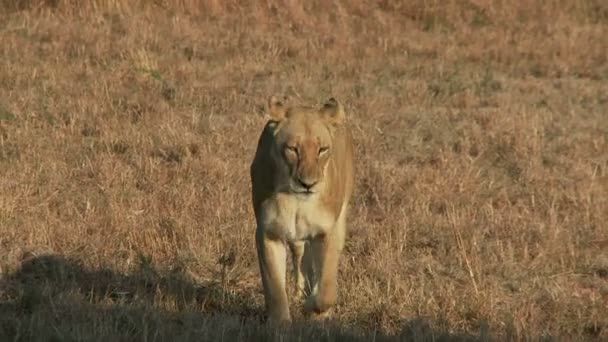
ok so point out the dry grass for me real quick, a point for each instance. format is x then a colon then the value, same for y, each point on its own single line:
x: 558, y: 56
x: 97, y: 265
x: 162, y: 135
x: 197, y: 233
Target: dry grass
x: 127, y: 129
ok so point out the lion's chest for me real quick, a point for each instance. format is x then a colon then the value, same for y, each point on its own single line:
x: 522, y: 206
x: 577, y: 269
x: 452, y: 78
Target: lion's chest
x: 293, y: 219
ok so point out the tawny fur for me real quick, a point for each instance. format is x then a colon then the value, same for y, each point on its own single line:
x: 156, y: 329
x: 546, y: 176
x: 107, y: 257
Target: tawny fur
x: 302, y: 179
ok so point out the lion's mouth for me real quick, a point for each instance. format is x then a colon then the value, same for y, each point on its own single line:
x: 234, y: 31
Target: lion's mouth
x: 298, y: 188
x: 303, y: 191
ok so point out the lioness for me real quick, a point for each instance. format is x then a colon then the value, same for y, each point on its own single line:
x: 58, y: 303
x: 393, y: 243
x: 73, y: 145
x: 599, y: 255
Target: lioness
x: 302, y: 179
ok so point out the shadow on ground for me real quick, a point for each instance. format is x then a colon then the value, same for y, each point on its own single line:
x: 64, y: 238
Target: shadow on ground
x: 51, y: 298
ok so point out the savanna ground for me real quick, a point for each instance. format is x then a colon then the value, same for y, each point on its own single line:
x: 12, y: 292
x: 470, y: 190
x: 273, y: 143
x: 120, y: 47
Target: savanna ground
x: 127, y: 129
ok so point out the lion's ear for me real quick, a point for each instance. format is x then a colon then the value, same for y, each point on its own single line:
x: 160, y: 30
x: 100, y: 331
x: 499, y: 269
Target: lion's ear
x: 276, y: 108
x: 334, y: 111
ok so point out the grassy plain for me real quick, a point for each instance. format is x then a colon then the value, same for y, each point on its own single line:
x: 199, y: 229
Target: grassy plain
x: 127, y: 129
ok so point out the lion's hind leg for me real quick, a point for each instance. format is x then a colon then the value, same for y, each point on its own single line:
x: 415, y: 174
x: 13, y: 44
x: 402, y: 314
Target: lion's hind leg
x: 302, y: 268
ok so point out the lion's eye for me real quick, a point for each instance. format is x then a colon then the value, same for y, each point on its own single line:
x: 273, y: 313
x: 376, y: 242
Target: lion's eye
x: 291, y: 149
x: 323, y: 150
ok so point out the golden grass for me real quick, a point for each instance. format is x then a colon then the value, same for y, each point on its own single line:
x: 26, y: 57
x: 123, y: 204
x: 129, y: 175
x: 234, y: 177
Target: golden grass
x: 127, y: 129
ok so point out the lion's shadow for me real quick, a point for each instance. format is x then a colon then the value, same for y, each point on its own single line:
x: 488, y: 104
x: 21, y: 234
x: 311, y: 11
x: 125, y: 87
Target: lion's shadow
x: 59, y: 295
x: 53, y: 275
x: 53, y: 298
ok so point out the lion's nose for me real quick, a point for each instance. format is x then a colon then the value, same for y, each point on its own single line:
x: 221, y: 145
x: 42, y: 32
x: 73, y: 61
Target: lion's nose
x: 307, y: 183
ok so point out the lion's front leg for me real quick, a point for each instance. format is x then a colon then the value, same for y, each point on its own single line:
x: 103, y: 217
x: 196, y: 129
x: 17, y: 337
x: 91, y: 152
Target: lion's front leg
x: 272, y: 259
x: 326, y: 254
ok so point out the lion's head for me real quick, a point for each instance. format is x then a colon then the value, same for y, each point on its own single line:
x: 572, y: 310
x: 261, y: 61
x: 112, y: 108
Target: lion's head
x: 303, y: 142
